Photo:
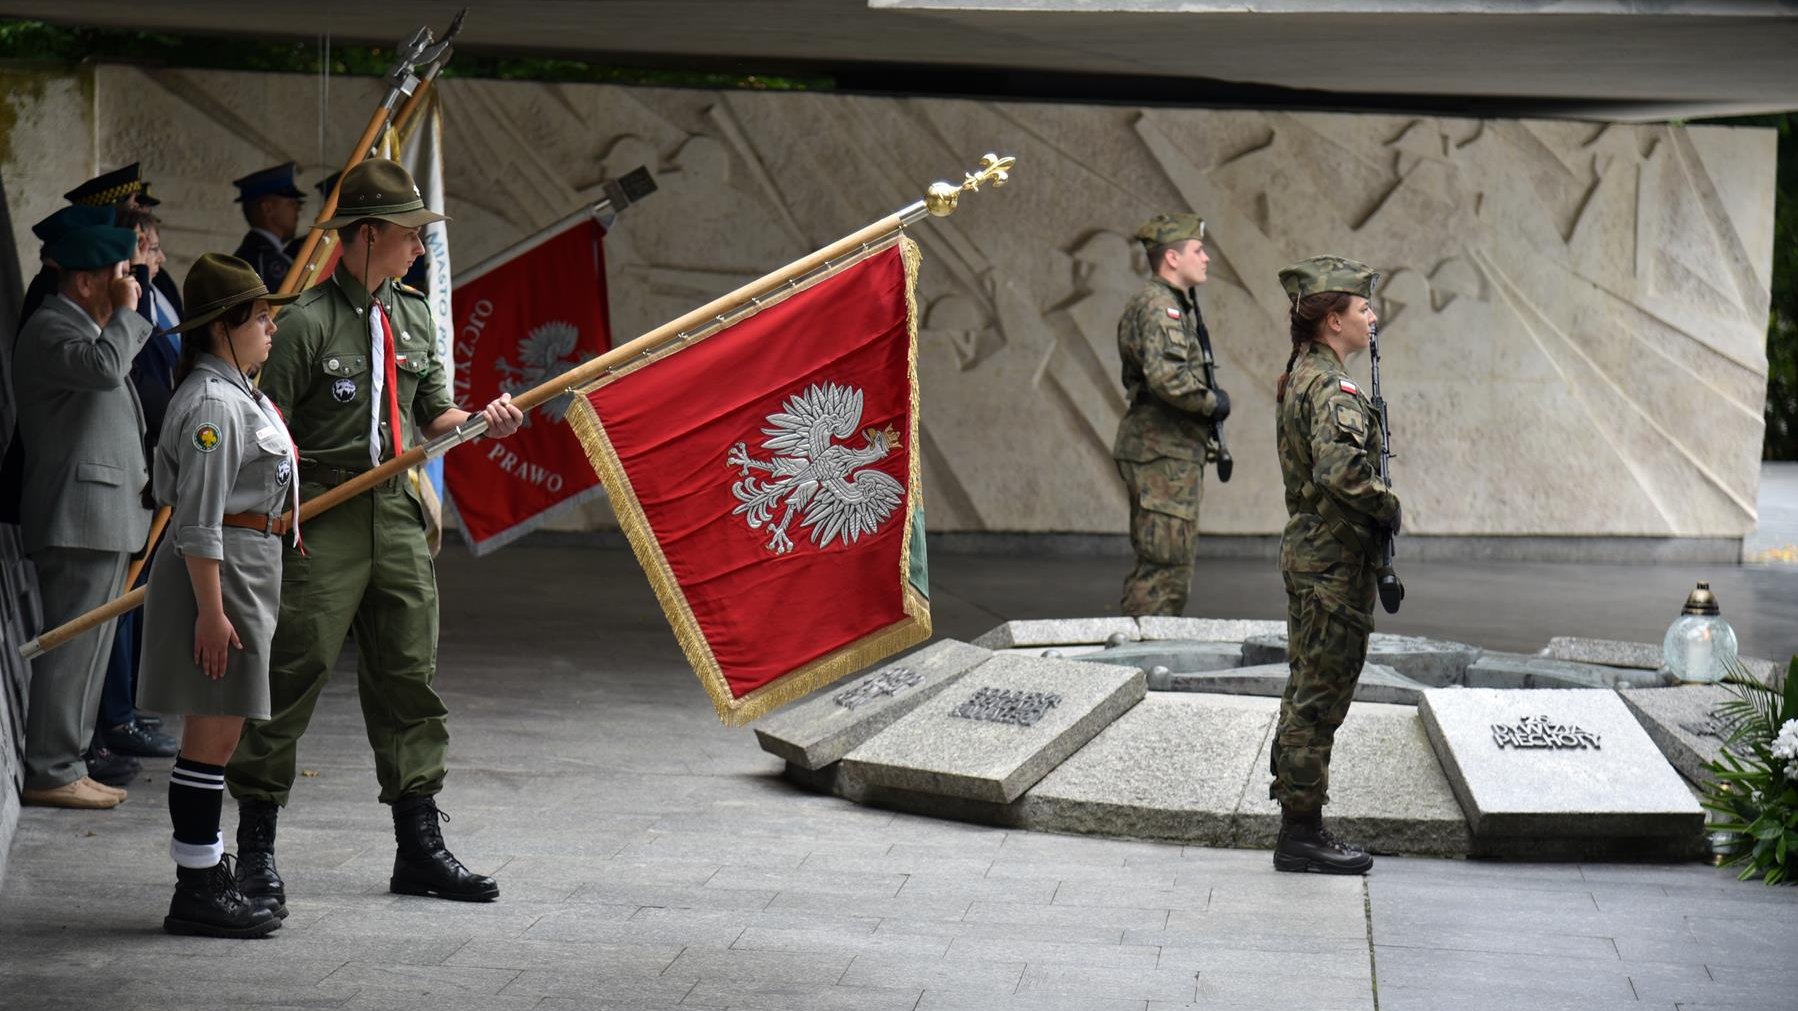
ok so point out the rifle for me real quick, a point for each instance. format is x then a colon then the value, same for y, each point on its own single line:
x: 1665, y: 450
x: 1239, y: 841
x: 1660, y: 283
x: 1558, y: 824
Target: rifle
x: 1216, y: 452
x: 1392, y: 592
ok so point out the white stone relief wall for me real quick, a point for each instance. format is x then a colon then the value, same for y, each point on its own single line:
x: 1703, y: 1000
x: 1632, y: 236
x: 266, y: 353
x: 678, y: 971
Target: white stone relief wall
x: 1574, y: 320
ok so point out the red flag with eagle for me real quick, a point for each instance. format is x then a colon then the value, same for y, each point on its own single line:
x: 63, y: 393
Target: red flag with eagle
x: 767, y: 477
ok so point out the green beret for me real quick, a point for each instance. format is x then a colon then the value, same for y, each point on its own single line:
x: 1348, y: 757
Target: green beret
x: 91, y: 247
x: 1328, y: 273
x: 380, y: 188
x: 73, y: 216
x: 1166, y: 229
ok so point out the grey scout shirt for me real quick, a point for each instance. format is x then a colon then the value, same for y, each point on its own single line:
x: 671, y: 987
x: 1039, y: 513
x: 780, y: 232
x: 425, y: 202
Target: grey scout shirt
x: 221, y: 452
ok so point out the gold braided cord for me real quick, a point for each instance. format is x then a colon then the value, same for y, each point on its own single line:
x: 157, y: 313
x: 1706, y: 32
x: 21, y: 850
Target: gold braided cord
x: 914, y: 627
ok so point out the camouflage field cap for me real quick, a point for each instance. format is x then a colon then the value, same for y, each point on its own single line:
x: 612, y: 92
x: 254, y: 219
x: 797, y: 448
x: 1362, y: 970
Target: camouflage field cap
x: 1163, y: 229
x: 1328, y: 273
x: 217, y: 282
x: 381, y: 188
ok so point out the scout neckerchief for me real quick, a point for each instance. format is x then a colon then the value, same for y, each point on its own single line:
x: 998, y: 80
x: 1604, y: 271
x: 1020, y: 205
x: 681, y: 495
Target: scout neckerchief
x: 380, y: 339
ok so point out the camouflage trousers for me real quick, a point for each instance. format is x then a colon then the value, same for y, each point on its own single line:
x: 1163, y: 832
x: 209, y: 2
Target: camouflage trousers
x: 1329, y: 616
x: 1164, y: 532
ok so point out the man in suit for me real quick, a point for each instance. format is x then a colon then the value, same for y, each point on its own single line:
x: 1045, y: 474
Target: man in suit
x: 82, y: 512
x: 271, y: 206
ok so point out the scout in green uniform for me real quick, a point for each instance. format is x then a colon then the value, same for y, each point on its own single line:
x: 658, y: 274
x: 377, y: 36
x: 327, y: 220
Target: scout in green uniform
x: 1162, y: 441
x: 1336, y: 505
x: 357, y: 373
x: 225, y: 464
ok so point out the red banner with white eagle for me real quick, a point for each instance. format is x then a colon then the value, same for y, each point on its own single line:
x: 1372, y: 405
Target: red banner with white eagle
x: 767, y: 477
x: 518, y: 323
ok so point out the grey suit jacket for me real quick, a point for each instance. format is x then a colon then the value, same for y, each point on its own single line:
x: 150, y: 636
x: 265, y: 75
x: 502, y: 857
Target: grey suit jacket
x: 83, y: 430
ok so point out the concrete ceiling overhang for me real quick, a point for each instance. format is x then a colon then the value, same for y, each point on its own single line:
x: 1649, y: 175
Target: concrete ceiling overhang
x: 1620, y: 59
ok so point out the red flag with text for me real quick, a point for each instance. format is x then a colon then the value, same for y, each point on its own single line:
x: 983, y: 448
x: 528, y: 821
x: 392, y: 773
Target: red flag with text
x: 767, y: 477
x: 518, y: 323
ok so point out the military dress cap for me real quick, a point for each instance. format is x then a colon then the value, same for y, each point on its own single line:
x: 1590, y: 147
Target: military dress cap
x: 218, y: 282
x: 268, y: 182
x: 381, y: 188
x: 73, y: 216
x: 1164, y: 229
x: 111, y: 188
x: 91, y: 247
x: 1328, y: 273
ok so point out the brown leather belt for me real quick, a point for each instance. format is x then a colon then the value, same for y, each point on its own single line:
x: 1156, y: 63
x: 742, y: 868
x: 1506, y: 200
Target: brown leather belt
x: 273, y: 526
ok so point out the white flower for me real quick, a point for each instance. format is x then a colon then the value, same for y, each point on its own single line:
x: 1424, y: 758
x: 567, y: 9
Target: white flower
x: 1792, y: 770
x: 1786, y: 744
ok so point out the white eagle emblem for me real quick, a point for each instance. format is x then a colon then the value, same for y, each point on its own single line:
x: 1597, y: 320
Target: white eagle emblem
x: 833, y: 484
x: 547, y: 351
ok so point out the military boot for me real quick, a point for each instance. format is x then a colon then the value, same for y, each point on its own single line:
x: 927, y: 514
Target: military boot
x: 256, y: 874
x: 423, y: 865
x: 1305, y: 845
x: 207, y: 903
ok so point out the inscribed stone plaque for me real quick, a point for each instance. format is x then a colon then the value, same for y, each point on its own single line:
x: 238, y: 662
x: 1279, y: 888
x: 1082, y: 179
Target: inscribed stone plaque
x: 1387, y: 790
x: 1434, y: 662
x: 983, y: 754
x: 833, y: 722
x: 1171, y: 768
x: 1559, y: 774
x: 1056, y: 632
x: 1680, y: 722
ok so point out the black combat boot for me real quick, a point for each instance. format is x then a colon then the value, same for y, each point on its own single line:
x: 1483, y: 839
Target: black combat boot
x: 423, y: 866
x: 1305, y: 845
x: 207, y: 903
x: 256, y: 874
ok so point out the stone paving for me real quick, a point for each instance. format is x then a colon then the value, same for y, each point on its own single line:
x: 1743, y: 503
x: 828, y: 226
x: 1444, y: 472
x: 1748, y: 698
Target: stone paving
x: 652, y: 859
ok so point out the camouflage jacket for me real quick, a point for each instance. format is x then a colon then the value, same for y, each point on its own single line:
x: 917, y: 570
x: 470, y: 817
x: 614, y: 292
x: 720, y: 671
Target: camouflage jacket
x: 1164, y: 377
x: 319, y: 371
x: 1328, y: 441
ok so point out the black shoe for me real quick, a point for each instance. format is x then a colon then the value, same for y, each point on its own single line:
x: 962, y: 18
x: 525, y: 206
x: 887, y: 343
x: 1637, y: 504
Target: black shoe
x: 1305, y: 845
x: 423, y: 866
x: 104, y: 766
x: 149, y: 720
x: 136, y: 739
x: 207, y: 903
x: 256, y: 874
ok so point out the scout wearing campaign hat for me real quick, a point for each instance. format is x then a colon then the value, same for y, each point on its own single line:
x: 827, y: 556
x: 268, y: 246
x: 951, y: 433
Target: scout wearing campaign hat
x: 111, y: 188
x: 381, y: 188
x: 217, y: 283
x: 268, y: 182
x: 1166, y: 229
x: 1328, y: 273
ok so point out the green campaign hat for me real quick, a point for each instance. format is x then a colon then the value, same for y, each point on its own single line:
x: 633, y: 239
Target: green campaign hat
x: 1328, y: 273
x: 216, y: 283
x: 72, y: 216
x: 90, y: 247
x: 380, y: 188
x: 1163, y: 229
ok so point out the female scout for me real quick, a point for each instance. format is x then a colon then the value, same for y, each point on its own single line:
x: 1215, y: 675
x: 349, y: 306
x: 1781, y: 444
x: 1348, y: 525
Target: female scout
x: 1337, y: 506
x: 225, y: 464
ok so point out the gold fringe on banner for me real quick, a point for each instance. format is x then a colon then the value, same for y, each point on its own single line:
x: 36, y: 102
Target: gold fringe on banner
x: 876, y: 646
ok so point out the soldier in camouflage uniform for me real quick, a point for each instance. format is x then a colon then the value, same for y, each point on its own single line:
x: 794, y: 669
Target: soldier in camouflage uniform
x: 1162, y: 441
x: 1337, y: 507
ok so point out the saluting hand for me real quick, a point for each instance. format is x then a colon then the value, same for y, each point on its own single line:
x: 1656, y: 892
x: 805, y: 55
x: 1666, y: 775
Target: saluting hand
x: 214, y: 638
x: 503, y: 418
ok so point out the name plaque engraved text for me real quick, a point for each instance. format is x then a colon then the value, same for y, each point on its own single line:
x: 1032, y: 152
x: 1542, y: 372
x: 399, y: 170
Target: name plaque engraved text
x: 999, y: 705
x: 891, y: 681
x: 1542, y: 732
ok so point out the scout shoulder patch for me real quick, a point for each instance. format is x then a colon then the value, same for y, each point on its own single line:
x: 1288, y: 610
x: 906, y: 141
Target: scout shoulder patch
x: 1349, y: 388
x: 206, y: 437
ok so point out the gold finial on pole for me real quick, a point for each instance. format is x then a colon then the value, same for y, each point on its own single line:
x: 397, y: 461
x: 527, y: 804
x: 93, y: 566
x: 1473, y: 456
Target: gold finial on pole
x: 941, y: 198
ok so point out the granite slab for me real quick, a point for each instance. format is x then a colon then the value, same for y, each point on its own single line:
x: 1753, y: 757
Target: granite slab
x: 1154, y: 626
x: 1528, y: 670
x: 1387, y: 790
x: 830, y: 724
x: 1177, y: 655
x: 1019, y: 717
x: 1172, y: 768
x: 1678, y: 720
x: 1559, y: 774
x: 1056, y: 632
x: 1378, y: 683
x: 1609, y: 652
x: 1435, y: 662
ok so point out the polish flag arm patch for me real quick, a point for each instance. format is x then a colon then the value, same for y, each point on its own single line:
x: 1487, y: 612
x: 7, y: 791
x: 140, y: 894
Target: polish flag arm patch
x: 1173, y: 313
x: 1348, y: 387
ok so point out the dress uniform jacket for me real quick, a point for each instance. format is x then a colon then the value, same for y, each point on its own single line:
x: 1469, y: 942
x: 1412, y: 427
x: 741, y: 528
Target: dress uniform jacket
x: 264, y: 254
x: 223, y: 451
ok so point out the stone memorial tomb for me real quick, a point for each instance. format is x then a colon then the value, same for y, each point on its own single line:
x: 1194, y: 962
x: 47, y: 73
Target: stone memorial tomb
x: 1042, y: 632
x: 1559, y: 775
x: 1526, y: 670
x: 1434, y: 662
x: 1680, y: 721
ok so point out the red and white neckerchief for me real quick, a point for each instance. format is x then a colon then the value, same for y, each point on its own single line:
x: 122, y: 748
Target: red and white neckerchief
x: 273, y: 413
x: 380, y: 334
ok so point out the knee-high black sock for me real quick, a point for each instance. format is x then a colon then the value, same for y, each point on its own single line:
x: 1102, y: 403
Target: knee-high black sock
x: 196, y: 793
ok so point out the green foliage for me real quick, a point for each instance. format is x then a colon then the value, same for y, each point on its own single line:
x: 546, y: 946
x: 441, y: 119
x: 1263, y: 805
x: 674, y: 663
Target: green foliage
x: 1753, y: 801
x: 38, y: 42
